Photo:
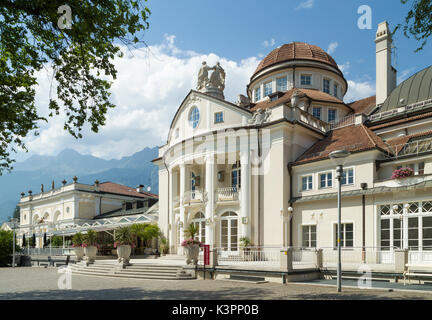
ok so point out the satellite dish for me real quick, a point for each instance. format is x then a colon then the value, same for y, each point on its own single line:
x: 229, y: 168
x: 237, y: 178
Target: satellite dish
x: 148, y: 189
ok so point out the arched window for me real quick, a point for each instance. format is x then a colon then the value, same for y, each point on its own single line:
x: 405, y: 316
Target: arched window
x: 229, y: 231
x: 199, y: 222
x: 194, y: 116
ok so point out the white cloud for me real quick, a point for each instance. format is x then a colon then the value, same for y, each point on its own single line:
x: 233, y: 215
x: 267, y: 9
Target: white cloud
x: 308, y: 4
x: 151, y: 83
x: 332, y: 47
x: 359, y: 90
x: 269, y: 43
x: 345, y: 67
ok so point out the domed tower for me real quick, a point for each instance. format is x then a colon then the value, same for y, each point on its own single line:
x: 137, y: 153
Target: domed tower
x: 298, y: 65
x: 300, y: 70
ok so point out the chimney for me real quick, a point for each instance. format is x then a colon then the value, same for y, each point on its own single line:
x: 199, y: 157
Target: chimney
x: 385, y: 73
x: 140, y: 188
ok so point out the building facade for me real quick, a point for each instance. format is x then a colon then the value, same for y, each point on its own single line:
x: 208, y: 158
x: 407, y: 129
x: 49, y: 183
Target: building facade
x: 77, y: 207
x: 259, y: 170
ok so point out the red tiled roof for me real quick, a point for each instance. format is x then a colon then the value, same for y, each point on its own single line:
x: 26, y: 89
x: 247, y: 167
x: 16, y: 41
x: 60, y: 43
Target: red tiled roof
x: 312, y: 94
x: 364, y: 105
x: 353, y: 138
x: 116, y: 188
x: 296, y: 51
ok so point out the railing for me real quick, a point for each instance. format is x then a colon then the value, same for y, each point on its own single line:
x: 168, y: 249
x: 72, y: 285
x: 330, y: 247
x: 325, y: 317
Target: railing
x: 412, y: 148
x: 226, y: 194
x: 194, y: 195
x: 304, y: 258
x: 249, y: 255
x: 371, y: 255
x: 309, y: 120
x: 346, y: 121
x: 53, y: 251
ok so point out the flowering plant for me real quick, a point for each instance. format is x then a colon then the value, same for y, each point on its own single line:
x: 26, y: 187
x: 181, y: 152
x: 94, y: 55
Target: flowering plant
x: 85, y: 245
x: 90, y: 239
x: 188, y: 242
x: 402, y: 173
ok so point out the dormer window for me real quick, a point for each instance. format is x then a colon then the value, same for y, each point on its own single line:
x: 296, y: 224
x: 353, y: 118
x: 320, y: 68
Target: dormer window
x: 281, y: 84
x: 268, y: 89
x: 257, y: 94
x: 306, y: 80
x: 326, y: 86
x: 316, y: 112
x: 335, y: 89
x: 332, y: 115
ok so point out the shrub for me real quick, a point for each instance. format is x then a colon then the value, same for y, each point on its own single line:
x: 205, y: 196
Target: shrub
x: 90, y: 239
x: 124, y: 236
x: 188, y: 242
x: 57, y: 241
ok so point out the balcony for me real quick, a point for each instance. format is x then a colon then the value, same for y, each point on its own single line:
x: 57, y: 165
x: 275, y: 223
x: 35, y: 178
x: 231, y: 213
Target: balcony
x: 194, y: 196
x: 413, y: 148
x: 228, y: 194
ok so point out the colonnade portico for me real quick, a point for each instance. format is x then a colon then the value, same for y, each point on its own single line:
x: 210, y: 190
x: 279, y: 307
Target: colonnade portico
x: 187, y: 199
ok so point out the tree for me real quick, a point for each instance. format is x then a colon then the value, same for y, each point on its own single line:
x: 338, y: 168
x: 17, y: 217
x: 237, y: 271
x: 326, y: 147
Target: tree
x: 6, y: 247
x: 418, y: 21
x: 78, y: 41
x: 16, y: 213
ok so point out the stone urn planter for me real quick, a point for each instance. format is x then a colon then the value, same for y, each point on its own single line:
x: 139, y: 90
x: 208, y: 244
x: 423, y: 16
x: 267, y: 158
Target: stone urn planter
x: 192, y: 252
x: 90, y: 253
x: 79, y: 252
x: 123, y: 253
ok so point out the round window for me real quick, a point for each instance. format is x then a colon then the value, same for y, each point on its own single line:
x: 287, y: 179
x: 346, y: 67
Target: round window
x: 194, y: 117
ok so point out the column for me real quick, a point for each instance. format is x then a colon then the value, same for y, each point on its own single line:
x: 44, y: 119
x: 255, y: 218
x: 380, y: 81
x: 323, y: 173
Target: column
x: 182, y: 207
x: 209, y: 189
x: 171, y: 232
x: 245, y: 198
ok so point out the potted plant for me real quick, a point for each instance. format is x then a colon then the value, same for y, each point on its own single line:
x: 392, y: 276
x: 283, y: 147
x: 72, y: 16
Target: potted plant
x: 245, y: 244
x: 191, y: 245
x: 163, y: 245
x: 77, y: 244
x: 402, y: 173
x: 124, y: 243
x: 90, y: 246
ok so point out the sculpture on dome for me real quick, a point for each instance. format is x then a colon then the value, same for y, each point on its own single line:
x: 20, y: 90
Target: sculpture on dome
x: 217, y: 78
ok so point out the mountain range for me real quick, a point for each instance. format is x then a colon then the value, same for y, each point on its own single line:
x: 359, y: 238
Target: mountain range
x: 30, y: 174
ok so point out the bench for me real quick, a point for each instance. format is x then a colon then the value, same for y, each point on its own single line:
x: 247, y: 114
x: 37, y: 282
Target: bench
x: 417, y: 271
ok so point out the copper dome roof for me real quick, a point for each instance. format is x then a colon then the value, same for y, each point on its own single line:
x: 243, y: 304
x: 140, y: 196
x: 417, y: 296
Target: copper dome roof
x: 296, y: 51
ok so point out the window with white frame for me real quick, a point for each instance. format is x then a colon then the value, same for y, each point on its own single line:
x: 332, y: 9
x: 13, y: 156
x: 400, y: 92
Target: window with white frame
x: 348, y: 177
x: 268, y: 88
x: 406, y: 225
x: 236, y: 175
x: 326, y: 86
x: 309, y: 237
x: 281, y: 84
x: 257, y: 94
x: 306, y: 183
x: 326, y: 180
x: 306, y: 79
x: 335, y: 89
x: 347, y: 235
x: 331, y: 115
x: 418, y: 168
x: 316, y: 112
x: 218, y: 117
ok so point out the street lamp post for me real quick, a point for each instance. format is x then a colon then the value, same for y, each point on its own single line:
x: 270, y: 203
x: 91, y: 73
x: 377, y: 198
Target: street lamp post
x: 339, y: 157
x: 14, y: 221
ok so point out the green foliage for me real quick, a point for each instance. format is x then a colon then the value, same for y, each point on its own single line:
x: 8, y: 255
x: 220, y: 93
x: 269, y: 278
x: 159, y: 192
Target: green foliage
x: 418, y: 21
x: 90, y: 238
x: 6, y: 247
x: 77, y: 239
x: 163, y: 244
x: 191, y: 231
x: 124, y: 235
x: 80, y: 61
x: 145, y: 231
x: 245, y: 242
x: 57, y: 241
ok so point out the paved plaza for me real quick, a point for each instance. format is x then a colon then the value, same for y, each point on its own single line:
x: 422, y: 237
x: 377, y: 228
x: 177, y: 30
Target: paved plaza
x: 41, y: 283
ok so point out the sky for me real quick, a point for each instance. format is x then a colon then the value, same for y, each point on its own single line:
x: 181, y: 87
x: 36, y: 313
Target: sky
x: 153, y: 81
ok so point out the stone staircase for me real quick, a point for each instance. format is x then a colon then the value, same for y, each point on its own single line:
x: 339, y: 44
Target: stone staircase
x: 135, y: 271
